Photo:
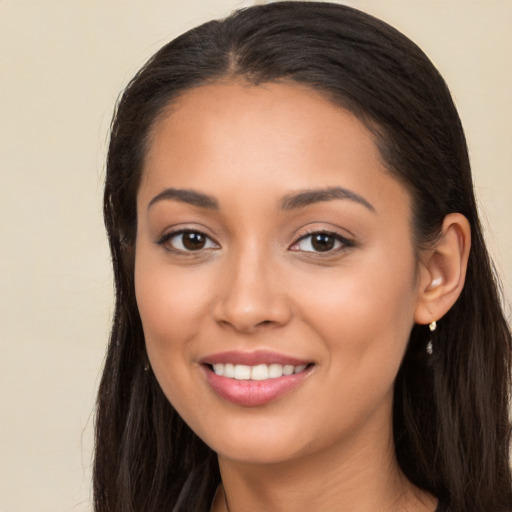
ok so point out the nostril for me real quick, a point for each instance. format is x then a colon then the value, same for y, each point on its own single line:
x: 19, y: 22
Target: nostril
x: 245, y: 311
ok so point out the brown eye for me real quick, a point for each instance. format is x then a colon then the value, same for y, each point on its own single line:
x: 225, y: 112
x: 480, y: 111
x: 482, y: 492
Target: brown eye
x: 322, y: 242
x: 193, y: 241
x: 187, y: 241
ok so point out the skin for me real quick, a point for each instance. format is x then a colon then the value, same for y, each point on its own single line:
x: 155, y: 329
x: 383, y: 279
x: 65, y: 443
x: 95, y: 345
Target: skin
x: 258, y: 285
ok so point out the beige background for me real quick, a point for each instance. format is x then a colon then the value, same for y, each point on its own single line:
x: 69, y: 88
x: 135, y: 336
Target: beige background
x: 62, y: 64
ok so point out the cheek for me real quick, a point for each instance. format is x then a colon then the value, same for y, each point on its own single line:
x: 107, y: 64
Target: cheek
x: 365, y: 314
x: 167, y: 297
x: 171, y: 305
x: 169, y: 308
x: 365, y: 321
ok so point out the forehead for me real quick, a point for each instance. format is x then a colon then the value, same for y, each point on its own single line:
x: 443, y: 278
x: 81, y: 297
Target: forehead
x: 300, y: 110
x: 273, y: 115
x: 224, y: 136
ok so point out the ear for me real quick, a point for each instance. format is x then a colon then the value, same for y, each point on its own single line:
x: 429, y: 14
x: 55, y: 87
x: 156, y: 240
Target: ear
x: 443, y: 270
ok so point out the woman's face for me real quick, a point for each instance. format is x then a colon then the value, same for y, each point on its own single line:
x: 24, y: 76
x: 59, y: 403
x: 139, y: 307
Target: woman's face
x: 275, y: 272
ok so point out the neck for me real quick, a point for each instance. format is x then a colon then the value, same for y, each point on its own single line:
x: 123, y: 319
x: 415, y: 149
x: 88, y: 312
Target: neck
x: 359, y: 476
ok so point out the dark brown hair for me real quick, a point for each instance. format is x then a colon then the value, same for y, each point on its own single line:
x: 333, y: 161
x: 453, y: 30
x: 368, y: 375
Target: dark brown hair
x: 451, y: 418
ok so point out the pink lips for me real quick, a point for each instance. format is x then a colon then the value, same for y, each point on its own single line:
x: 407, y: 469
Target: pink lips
x: 251, y: 393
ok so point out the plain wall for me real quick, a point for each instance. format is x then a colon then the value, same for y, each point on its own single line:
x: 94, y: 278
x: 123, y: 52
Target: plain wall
x: 62, y: 65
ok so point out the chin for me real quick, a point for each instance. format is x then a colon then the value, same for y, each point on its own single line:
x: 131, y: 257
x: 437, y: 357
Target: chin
x: 261, y: 442
x: 257, y: 453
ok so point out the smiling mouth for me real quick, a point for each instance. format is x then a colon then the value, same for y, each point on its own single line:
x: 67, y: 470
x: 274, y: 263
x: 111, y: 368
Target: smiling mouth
x: 254, y: 378
x: 255, y: 385
x: 257, y: 372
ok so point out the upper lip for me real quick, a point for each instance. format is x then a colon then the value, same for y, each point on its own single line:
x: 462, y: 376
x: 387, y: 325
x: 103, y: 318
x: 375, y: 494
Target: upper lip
x: 253, y: 358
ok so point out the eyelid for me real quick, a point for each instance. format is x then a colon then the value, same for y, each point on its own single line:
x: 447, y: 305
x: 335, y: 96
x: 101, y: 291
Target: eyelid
x: 213, y: 244
x: 345, y: 242
x: 169, y: 235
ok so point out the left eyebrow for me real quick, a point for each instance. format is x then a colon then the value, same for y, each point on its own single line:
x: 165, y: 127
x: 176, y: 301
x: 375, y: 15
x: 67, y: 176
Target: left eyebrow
x: 308, y: 197
x: 186, y: 196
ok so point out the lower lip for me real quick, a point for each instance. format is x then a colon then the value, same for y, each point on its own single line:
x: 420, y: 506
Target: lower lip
x: 251, y: 393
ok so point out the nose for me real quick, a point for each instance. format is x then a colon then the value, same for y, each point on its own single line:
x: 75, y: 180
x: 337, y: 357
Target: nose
x: 253, y: 296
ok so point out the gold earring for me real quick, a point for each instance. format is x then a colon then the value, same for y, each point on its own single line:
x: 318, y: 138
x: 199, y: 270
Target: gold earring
x: 432, y: 326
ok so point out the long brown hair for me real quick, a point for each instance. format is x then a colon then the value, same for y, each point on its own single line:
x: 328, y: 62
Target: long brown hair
x: 451, y: 418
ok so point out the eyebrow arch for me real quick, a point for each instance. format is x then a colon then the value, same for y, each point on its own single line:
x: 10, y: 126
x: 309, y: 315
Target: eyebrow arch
x: 186, y: 196
x: 307, y: 197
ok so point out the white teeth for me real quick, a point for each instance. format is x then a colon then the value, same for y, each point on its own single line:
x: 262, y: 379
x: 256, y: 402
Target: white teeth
x: 275, y: 370
x: 287, y: 369
x: 258, y: 372
x: 242, y: 372
x: 229, y: 370
x: 218, y: 368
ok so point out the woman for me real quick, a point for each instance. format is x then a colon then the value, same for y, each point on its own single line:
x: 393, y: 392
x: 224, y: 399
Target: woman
x: 306, y: 315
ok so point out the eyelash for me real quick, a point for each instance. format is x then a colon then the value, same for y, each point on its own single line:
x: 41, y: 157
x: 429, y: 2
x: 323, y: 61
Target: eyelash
x: 343, y: 242
x: 165, y: 241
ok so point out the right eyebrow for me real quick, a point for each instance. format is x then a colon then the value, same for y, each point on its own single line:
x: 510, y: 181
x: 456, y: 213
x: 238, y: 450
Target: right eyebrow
x: 312, y: 196
x: 186, y: 196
